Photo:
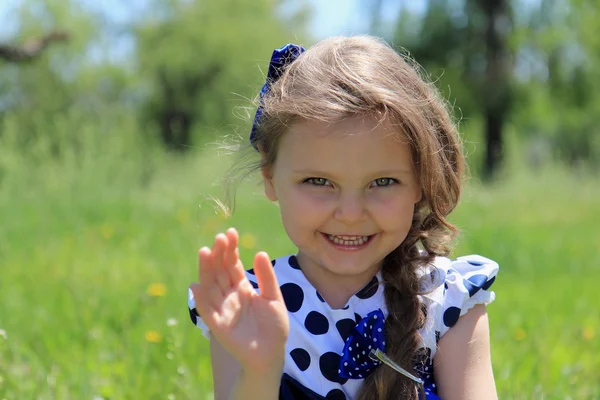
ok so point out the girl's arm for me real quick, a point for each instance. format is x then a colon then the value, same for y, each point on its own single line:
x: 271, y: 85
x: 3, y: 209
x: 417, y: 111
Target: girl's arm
x: 231, y: 382
x: 462, y: 363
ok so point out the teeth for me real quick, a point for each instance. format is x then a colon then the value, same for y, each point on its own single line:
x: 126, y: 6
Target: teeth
x: 348, y: 240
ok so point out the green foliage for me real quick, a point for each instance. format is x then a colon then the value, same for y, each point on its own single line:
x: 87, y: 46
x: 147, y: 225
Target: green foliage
x: 203, y: 58
x: 96, y: 259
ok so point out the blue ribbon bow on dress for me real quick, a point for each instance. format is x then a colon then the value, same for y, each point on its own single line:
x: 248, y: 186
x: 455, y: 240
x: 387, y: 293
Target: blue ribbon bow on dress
x: 367, y: 335
x: 280, y: 58
x: 364, y: 349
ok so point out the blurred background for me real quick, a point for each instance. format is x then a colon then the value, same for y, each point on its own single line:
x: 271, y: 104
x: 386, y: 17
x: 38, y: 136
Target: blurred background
x: 110, y: 117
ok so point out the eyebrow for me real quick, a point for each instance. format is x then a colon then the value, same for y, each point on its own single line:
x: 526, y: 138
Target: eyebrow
x: 383, y: 173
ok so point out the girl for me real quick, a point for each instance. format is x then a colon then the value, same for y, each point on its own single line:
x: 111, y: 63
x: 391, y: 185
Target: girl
x: 364, y: 160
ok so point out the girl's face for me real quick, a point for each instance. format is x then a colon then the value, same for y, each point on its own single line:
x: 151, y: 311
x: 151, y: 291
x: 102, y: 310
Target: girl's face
x: 347, y: 193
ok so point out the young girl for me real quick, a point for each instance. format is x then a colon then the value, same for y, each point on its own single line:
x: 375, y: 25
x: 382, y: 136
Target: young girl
x: 364, y: 160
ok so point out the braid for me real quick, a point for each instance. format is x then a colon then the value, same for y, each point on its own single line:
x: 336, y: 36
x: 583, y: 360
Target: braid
x: 406, y: 314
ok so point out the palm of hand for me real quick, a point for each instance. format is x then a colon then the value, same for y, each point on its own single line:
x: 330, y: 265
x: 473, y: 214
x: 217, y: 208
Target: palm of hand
x: 252, y: 327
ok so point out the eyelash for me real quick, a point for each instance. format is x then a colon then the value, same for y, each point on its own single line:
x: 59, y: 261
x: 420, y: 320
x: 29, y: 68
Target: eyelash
x: 312, y: 181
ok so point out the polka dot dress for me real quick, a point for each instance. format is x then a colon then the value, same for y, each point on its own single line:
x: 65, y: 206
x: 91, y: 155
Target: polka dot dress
x: 318, y: 332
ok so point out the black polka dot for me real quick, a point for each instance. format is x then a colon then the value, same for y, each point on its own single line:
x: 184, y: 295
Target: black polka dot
x: 293, y: 296
x: 320, y: 297
x: 488, y: 283
x: 478, y: 280
x: 357, y: 318
x: 476, y: 263
x: 451, y: 316
x: 193, y: 315
x: 329, y: 364
x: 369, y: 290
x: 316, y: 323
x: 344, y: 327
x: 250, y: 271
x: 472, y: 289
x: 254, y: 284
x: 293, y: 261
x: 335, y: 394
x: 301, y: 358
x: 273, y: 262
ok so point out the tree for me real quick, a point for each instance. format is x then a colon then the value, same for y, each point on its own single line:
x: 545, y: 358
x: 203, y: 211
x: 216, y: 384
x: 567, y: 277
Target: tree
x: 30, y: 49
x: 196, y: 57
x: 466, y: 49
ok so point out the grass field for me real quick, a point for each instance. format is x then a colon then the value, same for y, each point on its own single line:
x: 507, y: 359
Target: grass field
x: 96, y: 256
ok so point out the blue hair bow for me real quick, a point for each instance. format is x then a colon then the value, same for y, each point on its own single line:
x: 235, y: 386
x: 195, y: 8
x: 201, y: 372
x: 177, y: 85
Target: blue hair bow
x: 280, y: 58
x: 364, y: 349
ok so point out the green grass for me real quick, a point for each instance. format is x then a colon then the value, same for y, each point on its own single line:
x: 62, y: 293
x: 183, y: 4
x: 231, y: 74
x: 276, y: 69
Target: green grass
x: 81, y: 241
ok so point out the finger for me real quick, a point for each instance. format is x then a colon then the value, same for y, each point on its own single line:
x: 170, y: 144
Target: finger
x: 218, y: 254
x: 206, y: 273
x: 232, y: 262
x: 203, y: 300
x: 265, y: 274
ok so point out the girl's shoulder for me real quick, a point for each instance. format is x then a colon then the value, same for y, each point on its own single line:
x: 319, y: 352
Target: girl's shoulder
x: 451, y: 287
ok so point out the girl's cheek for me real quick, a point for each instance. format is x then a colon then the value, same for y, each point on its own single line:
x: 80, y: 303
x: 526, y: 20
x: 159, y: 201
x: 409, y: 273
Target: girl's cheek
x: 390, y: 205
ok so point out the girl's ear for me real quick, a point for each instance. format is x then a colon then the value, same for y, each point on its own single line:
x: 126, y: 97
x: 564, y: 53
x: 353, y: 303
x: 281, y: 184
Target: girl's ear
x: 268, y: 183
x: 418, y: 195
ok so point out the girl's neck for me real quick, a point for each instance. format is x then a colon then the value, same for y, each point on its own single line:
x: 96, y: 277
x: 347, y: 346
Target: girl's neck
x: 335, y: 289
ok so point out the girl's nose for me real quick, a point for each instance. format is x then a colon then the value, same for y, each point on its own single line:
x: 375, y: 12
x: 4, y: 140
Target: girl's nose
x: 350, y: 208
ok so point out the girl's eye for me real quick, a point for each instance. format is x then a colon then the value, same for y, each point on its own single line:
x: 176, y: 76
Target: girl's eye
x: 317, y: 181
x: 384, y: 181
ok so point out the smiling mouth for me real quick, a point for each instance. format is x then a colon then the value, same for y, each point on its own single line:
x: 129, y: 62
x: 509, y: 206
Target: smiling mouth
x: 348, y: 241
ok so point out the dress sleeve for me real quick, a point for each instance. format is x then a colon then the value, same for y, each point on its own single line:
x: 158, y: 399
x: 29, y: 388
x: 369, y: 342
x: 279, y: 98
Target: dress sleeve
x: 197, y: 319
x: 467, y: 283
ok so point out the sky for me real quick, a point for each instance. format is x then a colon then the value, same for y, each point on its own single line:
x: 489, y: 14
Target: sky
x: 331, y: 17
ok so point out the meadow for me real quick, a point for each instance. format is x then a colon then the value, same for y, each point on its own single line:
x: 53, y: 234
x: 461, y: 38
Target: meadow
x: 98, y: 246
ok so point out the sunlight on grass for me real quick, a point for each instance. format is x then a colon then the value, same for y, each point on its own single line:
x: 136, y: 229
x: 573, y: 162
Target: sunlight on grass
x: 95, y: 270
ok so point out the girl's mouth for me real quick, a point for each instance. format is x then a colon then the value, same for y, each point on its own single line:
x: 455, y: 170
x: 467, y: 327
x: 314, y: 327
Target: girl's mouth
x: 346, y: 242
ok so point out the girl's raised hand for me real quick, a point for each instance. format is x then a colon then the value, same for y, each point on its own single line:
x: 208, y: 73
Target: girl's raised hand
x: 252, y: 327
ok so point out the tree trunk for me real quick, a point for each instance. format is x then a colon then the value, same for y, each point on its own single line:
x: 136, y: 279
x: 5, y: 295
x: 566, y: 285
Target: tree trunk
x: 496, y: 93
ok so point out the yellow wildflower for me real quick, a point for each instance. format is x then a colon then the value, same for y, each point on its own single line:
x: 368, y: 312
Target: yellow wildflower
x: 248, y: 241
x: 157, y: 290
x: 153, y: 337
x: 520, y: 334
x: 107, y: 231
x: 183, y: 216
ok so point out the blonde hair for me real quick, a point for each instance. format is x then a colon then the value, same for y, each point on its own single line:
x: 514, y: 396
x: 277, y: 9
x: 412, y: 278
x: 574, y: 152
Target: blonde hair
x: 342, y: 77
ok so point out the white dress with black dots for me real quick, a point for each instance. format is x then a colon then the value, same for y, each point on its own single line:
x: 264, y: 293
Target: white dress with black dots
x: 318, y: 332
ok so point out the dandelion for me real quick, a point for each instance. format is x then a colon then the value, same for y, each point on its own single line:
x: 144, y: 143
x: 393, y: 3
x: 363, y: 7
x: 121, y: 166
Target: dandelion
x: 588, y: 334
x: 157, y: 290
x: 153, y: 337
x: 520, y: 334
x: 107, y: 231
x: 171, y: 322
x: 248, y: 241
x: 212, y: 224
x: 183, y: 216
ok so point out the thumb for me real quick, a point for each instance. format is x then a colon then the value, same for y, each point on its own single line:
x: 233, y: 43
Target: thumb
x: 265, y: 274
